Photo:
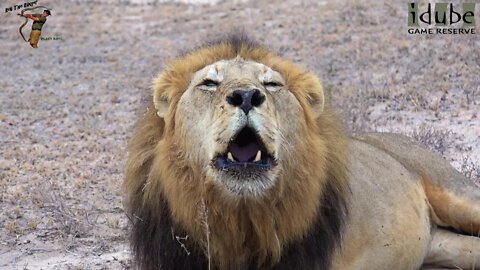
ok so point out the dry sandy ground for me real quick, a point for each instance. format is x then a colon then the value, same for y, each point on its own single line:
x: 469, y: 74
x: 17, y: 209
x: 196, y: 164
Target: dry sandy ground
x: 68, y: 108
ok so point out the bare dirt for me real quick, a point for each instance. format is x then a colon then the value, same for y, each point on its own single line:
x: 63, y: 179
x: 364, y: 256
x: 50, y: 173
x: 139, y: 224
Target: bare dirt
x: 68, y: 108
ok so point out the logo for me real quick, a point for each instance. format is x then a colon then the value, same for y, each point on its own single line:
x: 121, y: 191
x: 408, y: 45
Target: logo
x: 442, y: 18
x: 39, y: 18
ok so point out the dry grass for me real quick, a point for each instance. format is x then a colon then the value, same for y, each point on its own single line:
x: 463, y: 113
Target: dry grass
x: 433, y: 139
x: 354, y: 113
x: 12, y: 227
x: 471, y: 170
x: 70, y: 221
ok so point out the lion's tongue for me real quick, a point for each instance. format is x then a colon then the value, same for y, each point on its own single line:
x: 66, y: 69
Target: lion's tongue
x: 244, y: 153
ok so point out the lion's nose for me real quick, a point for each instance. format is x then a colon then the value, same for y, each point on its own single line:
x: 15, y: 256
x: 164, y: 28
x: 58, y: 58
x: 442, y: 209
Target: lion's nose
x: 246, y: 99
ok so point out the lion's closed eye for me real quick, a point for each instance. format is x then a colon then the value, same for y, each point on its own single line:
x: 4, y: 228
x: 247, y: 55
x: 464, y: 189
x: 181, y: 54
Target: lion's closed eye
x: 208, y: 83
x: 272, y: 84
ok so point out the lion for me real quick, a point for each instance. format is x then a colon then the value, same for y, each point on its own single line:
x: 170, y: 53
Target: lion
x: 240, y: 163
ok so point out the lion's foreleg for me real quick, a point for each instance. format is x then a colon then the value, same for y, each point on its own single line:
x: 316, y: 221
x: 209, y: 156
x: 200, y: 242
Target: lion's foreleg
x: 453, y: 210
x: 452, y: 250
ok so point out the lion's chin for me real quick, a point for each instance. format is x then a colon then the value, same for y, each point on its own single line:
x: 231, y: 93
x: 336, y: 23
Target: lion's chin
x: 245, y: 179
x: 245, y: 184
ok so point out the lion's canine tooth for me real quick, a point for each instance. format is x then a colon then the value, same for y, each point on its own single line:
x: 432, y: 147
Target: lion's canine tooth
x: 229, y: 155
x: 258, y: 156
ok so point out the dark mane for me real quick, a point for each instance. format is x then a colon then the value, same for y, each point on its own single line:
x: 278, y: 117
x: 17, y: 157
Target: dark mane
x: 156, y: 240
x: 236, y: 39
x: 316, y: 249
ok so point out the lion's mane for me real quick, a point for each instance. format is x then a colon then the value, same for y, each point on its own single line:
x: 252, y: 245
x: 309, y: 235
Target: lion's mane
x: 177, y: 223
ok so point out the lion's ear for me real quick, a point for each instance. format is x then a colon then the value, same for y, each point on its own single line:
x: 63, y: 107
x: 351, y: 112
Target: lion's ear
x: 316, y: 98
x: 161, y: 100
x: 161, y: 104
x: 317, y: 102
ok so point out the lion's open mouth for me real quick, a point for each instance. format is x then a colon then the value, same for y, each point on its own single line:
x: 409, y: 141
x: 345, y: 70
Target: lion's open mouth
x: 245, y: 151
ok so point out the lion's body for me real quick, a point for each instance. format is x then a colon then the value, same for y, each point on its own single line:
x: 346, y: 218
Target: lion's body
x: 310, y: 199
x: 388, y: 225
x: 409, y: 191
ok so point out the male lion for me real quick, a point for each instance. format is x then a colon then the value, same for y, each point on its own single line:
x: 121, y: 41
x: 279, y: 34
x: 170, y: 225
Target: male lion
x: 239, y: 164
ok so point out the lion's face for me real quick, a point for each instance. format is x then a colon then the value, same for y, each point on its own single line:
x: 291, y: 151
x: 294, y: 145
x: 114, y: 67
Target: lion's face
x: 237, y: 119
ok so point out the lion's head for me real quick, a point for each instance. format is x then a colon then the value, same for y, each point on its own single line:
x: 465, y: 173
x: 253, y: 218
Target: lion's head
x: 238, y: 153
x: 243, y: 120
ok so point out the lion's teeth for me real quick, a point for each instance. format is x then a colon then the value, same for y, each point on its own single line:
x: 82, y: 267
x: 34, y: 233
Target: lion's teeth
x: 258, y: 156
x: 230, y: 157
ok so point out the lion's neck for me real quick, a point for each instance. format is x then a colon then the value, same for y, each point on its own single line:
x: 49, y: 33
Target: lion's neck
x: 238, y: 232
x: 233, y: 237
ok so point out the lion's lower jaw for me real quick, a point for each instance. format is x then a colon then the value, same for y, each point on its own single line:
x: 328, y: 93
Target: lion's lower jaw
x: 253, y: 188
